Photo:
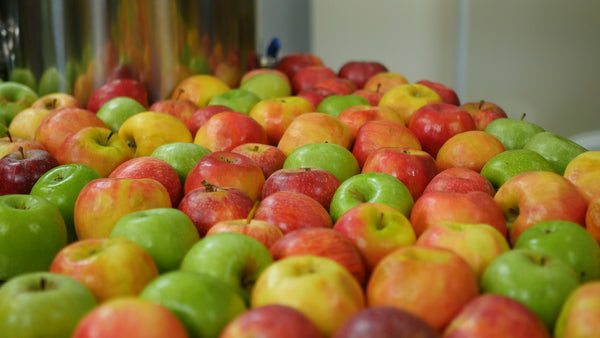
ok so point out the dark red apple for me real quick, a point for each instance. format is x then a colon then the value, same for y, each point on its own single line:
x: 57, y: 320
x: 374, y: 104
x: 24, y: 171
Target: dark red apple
x: 360, y: 71
x: 121, y: 87
x: 20, y: 170
x: 291, y: 63
x: 447, y: 94
x: 315, y: 95
x: 306, y: 77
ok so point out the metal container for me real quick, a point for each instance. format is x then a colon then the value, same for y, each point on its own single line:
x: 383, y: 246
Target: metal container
x: 75, y: 46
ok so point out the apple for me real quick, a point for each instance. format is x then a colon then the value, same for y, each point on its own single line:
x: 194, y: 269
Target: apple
x: 510, y: 163
x: 336, y: 86
x: 429, y: 282
x: 181, y: 109
x: 201, y: 115
x: 385, y: 321
x: 116, y: 110
x: 370, y: 188
x: 539, y: 281
x: 60, y: 186
x: 271, y: 321
x: 227, y: 130
x: 25, y: 301
x: 435, y: 123
x: 32, y: 231
x: 109, y: 267
x: 144, y: 318
x: 10, y: 144
x: 266, y: 85
x: 479, y: 318
x: 384, y: 81
x: 536, y: 196
x: 557, y: 150
x: 204, y: 304
x: 577, y: 316
x: 335, y: 104
x: 470, y: 149
x: 320, y: 288
x: 26, y: 122
x: 182, y: 156
x: 567, y: 241
x: 291, y: 63
x: 354, y: 117
x: 144, y: 132
x: 102, y: 202
x: 372, y: 96
x: 52, y: 80
x: 360, y: 71
x: 21, y: 169
x: 56, y: 100
x: 592, y: 217
x: 483, y: 112
x: 237, y: 99
x: 120, y: 87
x: 24, y: 76
x: 583, y: 172
x: 459, y: 180
x: 315, y: 95
x: 447, y: 94
x: 413, y: 167
x: 123, y: 71
x: 376, y: 134
x: 14, y: 97
x: 513, y: 134
x: 265, y: 232
x: 329, y: 156
x: 407, y: 98
x: 200, y: 89
x: 306, y: 77
x: 268, y: 157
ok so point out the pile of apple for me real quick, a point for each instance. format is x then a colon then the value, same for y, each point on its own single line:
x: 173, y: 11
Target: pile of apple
x: 302, y: 202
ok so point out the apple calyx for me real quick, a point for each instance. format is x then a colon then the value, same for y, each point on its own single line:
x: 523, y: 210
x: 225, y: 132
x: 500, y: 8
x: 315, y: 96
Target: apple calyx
x: 511, y: 215
x: 51, y: 104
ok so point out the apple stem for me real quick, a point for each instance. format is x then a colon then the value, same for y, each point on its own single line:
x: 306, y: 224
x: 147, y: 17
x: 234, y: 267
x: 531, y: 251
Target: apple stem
x: 10, y: 139
x: 43, y: 283
x: 481, y: 104
x: 378, y: 87
x: 53, y: 104
x: 181, y: 91
x: 22, y: 152
x: 252, y: 211
x: 523, y: 116
x: 109, y: 136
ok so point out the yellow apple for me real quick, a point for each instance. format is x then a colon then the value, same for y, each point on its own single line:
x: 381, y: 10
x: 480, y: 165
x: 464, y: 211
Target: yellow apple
x: 26, y: 122
x: 407, y: 98
x: 584, y: 172
x: 200, y: 89
x: 580, y: 312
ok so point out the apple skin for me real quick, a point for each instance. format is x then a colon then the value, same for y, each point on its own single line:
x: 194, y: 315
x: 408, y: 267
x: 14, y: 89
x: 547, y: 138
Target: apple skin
x: 536, y: 196
x: 14, y: 97
x: 121, y: 87
x: 57, y: 100
x: 227, y: 130
x: 26, y: 122
x: 407, y: 98
x: 579, y: 313
x: 117, y: 110
x: 181, y: 109
x: 182, y: 156
x: 291, y: 63
x: 315, y: 95
x: 237, y: 99
x: 334, y: 104
x: 582, y: 172
x: 21, y: 169
x: 329, y: 156
x: 306, y: 77
x: 200, y: 89
x: 431, y: 283
x: 470, y: 149
x: 513, y: 134
x: 336, y: 85
x: 592, y: 217
x: 510, y: 163
x: 320, y: 288
x: 110, y: 267
x: 384, y: 81
x: 32, y: 231
x: 360, y: 71
x: 144, y: 318
x: 316, y: 183
x: 268, y: 157
x: 10, y: 144
x: 376, y: 229
x: 354, y: 117
x: 201, y: 115
x: 43, y: 304
x: 258, y: 321
x: 372, y: 96
x: 483, y: 112
x: 265, y: 232
x: 459, y: 180
x: 447, y: 94
x: 537, y: 280
x: 478, y: 318
x: 556, y: 149
x: 266, y: 83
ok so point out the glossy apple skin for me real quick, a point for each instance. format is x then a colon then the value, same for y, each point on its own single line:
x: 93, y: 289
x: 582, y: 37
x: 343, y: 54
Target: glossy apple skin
x: 354, y: 117
x: 201, y: 115
x: 583, y: 172
x: 579, y: 313
x: 291, y: 63
x: 20, y: 170
x: 432, y: 283
x: 227, y: 130
x: 360, y: 71
x: 200, y: 89
x: 470, y: 149
x: 459, y: 180
x: 306, y: 77
x: 181, y: 109
x: 264, y: 232
x: 447, y: 94
x: 26, y: 122
x: 329, y: 156
x: 268, y: 157
x: 407, y: 98
x: 478, y: 318
x: 483, y: 112
x: 120, y: 87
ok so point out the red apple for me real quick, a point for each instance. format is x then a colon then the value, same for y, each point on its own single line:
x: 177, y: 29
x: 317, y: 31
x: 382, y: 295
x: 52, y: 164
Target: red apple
x: 227, y: 130
x: 359, y: 72
x: 20, y: 170
x: 181, y: 109
x: 315, y: 95
x: 10, y: 144
x: 201, y: 115
x: 122, y: 71
x: 447, y: 94
x: 459, y: 180
x: 291, y: 63
x: 372, y: 96
x: 336, y: 85
x: 268, y: 157
x: 354, y: 117
x: 121, y: 87
x: 264, y: 232
x: 483, y: 112
x: 306, y: 77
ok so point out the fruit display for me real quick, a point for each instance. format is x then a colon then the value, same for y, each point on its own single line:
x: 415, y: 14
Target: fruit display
x: 302, y: 201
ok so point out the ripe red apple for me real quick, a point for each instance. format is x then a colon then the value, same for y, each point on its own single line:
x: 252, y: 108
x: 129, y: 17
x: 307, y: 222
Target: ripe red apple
x: 306, y: 77
x: 483, y: 112
x: 20, y: 170
x: 121, y: 87
x: 293, y: 62
x: 372, y: 96
x: 181, y: 109
x: 459, y: 180
x: 360, y: 71
x: 227, y: 130
x: 447, y: 94
x: 336, y: 85
x: 201, y: 115
x: 315, y: 95
x: 264, y: 232
x: 122, y: 71
x: 268, y: 157
x: 354, y: 117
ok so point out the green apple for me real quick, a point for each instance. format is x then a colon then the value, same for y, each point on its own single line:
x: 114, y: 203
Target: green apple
x: 43, y: 304
x: 199, y: 65
x: 513, y: 134
x: 567, y: 241
x: 370, y: 188
x: 557, y: 150
x: 61, y: 186
x: 165, y: 233
x: 329, y: 156
x: 181, y: 155
x: 203, y: 303
x: 32, y: 231
x: 238, y: 99
x: 539, y: 281
x: 24, y: 76
x: 334, y: 104
x: 53, y: 81
x: 14, y: 97
x: 116, y: 110
x: 267, y: 86
x: 509, y: 163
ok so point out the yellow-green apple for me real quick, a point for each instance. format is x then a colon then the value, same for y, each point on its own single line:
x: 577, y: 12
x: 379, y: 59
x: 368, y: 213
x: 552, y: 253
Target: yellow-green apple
x: 514, y: 134
x: 447, y: 94
x: 102, y: 202
x: 314, y: 127
x: 258, y: 71
x: 24, y: 76
x: 584, y: 172
x: 334, y: 104
x: 354, y: 117
x: 383, y: 81
x: 20, y: 170
x: 276, y: 114
x: 56, y: 100
x: 472, y: 208
x: 97, y: 147
x: 290, y: 211
x: 536, y: 196
x: 370, y: 188
x: 268, y: 157
x: 237, y: 99
x: 496, y: 316
x: 406, y: 98
x: 539, y: 281
x: 289, y: 64
x: 62, y: 123
x: 377, y: 134
x: 181, y: 109
x: 578, y: 316
x: 235, y: 259
x: 109, y: 267
x: 259, y: 321
x: 322, y: 242
x: 471, y: 149
x: 26, y: 122
x: 413, y: 167
x: 155, y: 168
x: 145, y: 318
x: 32, y: 231
x: 435, y: 123
x: 376, y: 229
x: 201, y: 115
x: 329, y: 156
x: 360, y: 71
x: 459, y: 180
x: 24, y: 298
x: 317, y: 183
x: 265, y: 232
x: 477, y: 244
x: 146, y: 131
x: 121, y: 87
x: 180, y: 155
x: 592, y: 217
x: 10, y: 144
x: 14, y: 97
x: 306, y: 77
x: 117, y: 110
x: 431, y: 283
x: 483, y: 112
x: 204, y: 304
x: 385, y: 321
x: 227, y: 169
x: 512, y: 162
x: 227, y: 130
x: 318, y: 287
x: 209, y: 204
x: 199, y: 88
x: 266, y: 83
x: 556, y: 149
